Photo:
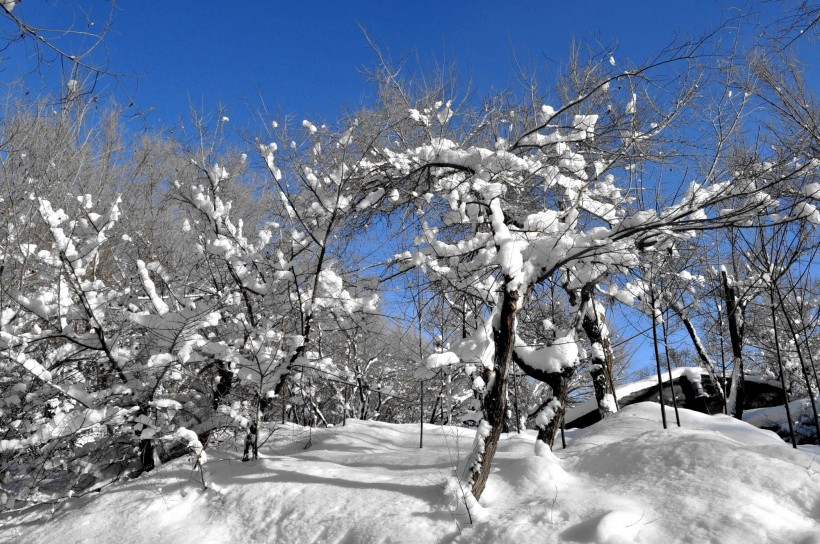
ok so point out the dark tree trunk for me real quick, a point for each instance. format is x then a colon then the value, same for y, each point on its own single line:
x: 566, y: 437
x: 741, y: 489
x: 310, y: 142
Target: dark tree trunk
x: 435, y: 408
x: 251, y: 444
x: 222, y: 388
x: 284, y: 400
x: 364, y: 401
x: 782, y: 371
x: 421, y: 414
x: 146, y: 446
x: 223, y: 384
x: 563, y: 438
x: 559, y: 386
x: 559, y: 383
x: 669, y: 368
x: 147, y: 455
x: 734, y: 313
x: 602, y: 360
x: 658, y: 358
x: 515, y: 402
x: 252, y: 438
x: 344, y: 408
x: 707, y: 363
x: 803, y: 367
x: 495, y: 401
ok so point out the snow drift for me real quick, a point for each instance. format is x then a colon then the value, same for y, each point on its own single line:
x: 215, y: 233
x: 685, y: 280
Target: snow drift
x: 623, y: 480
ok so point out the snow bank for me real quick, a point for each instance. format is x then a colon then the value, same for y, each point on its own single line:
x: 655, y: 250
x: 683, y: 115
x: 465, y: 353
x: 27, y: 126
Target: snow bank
x: 623, y: 480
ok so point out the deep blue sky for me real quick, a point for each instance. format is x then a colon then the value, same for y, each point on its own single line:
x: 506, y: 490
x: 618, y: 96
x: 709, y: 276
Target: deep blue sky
x: 305, y: 57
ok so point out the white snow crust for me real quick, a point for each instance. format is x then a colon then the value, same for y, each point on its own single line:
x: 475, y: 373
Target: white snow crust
x: 623, y: 480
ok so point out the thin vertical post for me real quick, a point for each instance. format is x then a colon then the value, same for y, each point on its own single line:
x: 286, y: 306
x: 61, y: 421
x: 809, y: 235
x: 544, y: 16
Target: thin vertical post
x: 421, y: 415
x: 657, y: 355
x: 780, y: 366
x: 344, y: 408
x: 563, y: 438
x: 515, y: 396
x: 669, y: 367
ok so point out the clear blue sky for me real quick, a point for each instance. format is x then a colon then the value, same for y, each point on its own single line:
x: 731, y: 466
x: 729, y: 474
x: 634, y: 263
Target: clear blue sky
x: 305, y: 57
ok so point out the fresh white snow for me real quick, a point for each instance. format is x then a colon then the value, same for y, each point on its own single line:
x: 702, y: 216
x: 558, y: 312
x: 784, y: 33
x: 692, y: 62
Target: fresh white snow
x: 623, y: 480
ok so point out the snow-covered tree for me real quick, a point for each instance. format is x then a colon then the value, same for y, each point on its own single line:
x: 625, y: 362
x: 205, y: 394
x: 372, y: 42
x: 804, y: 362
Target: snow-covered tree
x: 510, y: 197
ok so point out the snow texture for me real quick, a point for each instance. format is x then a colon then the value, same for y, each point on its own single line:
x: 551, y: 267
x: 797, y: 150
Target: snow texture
x: 561, y: 354
x: 626, y: 480
x: 438, y: 360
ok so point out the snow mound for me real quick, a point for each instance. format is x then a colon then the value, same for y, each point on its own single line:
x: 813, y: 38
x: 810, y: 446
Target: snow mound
x: 625, y: 479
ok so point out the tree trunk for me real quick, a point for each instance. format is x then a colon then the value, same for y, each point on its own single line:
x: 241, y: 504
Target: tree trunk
x: 559, y: 383
x: 781, y: 369
x: 803, y: 368
x: 515, y: 403
x: 495, y: 402
x: 222, y: 388
x: 654, y: 317
x: 421, y: 414
x: 364, y: 400
x: 722, y: 361
x: 284, y: 400
x: 602, y: 359
x: 447, y: 407
x: 251, y: 444
x: 224, y: 383
x: 146, y: 445
x: 435, y: 407
x: 146, y: 449
x: 707, y: 363
x: 733, y: 311
x: 669, y: 367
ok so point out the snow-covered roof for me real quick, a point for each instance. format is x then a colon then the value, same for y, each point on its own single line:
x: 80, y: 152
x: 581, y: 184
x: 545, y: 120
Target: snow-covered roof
x: 627, y: 389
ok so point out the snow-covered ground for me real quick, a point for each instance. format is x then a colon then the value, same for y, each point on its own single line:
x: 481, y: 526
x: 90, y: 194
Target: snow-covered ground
x: 714, y: 480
